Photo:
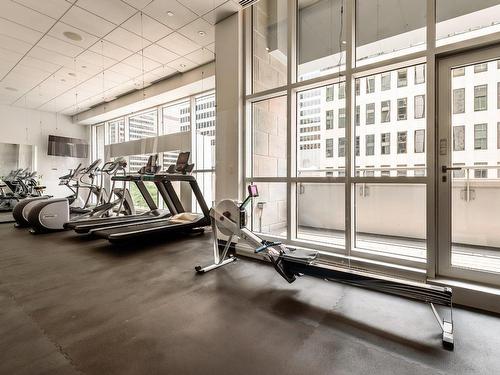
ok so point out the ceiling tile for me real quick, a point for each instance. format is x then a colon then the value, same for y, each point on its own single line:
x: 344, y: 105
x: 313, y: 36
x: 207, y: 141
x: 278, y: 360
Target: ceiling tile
x: 14, y: 45
x: 142, y: 63
x: 201, y: 56
x: 59, y: 46
x: 110, y: 50
x: 159, y: 54
x: 178, y: 43
x: 221, y: 12
x: 201, y: 7
x: 115, y: 11
x: 127, y: 40
x: 182, y: 64
x: 181, y: 15
x: 115, y: 77
x: 149, y: 29
x: 25, y: 16
x: 14, y: 30
x: 193, y: 29
x: 35, y: 63
x: 88, y: 22
x: 161, y: 72
x: 126, y: 70
x: 97, y: 59
x: 50, y: 56
x: 60, y: 28
x: 138, y: 4
x: 211, y: 47
x: 51, y: 8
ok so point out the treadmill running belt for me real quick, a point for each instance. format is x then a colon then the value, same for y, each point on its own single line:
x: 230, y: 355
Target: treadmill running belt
x: 84, y: 226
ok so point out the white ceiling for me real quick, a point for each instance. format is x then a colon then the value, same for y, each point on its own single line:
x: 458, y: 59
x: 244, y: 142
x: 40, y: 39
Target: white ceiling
x: 125, y: 44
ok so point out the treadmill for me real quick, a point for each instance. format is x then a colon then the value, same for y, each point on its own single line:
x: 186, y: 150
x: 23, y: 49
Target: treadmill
x: 180, y: 221
x: 86, y: 225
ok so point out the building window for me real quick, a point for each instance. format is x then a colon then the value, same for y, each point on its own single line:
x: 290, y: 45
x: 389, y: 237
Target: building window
x: 419, y: 141
x: 458, y: 72
x: 419, y: 74
x: 357, y: 115
x: 370, y: 114
x: 459, y: 138
x: 341, y: 147
x: 480, y: 173
x: 370, y: 144
x: 385, y: 111
x: 402, y: 172
x: 385, y: 81
x: 480, y: 98
x: 385, y: 172
x: 329, y: 93
x: 329, y: 148
x: 357, y: 146
x: 341, y: 90
x: 459, y: 101
x: 341, y: 118
x: 370, y: 84
x: 385, y: 144
x: 357, y: 87
x: 402, y: 138
x: 419, y: 170
x: 478, y: 68
x: 402, y: 77
x: 419, y: 106
x: 459, y: 173
x: 402, y: 109
x: 480, y: 137
x: 329, y: 119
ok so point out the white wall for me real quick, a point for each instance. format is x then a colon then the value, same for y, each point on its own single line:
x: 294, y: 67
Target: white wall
x: 31, y: 127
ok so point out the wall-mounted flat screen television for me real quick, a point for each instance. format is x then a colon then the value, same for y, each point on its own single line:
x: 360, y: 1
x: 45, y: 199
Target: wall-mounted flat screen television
x: 64, y: 146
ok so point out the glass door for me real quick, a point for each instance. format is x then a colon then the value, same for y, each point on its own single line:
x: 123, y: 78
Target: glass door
x: 468, y: 151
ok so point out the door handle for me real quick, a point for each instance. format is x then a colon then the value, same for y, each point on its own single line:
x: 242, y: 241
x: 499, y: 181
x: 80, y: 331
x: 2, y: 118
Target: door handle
x: 445, y: 169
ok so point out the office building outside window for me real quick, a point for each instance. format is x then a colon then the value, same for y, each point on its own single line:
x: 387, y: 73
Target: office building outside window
x: 402, y: 138
x: 480, y: 137
x: 459, y: 101
x: 419, y: 106
x: 329, y: 119
x: 341, y: 147
x: 402, y: 77
x: 419, y: 141
x: 402, y: 109
x: 459, y: 138
x: 370, y: 113
x: 370, y: 145
x: 385, y: 81
x: 481, y: 98
x: 341, y: 118
x: 370, y: 85
x: 329, y: 148
x: 385, y: 143
x: 419, y: 74
x: 385, y: 111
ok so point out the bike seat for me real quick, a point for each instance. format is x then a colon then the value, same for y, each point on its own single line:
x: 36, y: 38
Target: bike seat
x: 301, y: 256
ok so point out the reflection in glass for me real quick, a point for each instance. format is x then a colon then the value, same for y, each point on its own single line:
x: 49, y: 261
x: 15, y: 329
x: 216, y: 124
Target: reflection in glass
x: 269, y: 212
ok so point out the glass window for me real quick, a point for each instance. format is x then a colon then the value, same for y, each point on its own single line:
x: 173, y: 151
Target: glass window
x: 480, y: 98
x: 457, y: 21
x: 269, y: 44
x: 459, y: 138
x: 357, y: 115
x: 320, y: 213
x: 419, y: 141
x: 402, y: 109
x: 419, y: 74
x: 370, y: 84
x: 321, y: 35
x: 329, y: 119
x: 357, y: 85
x: 357, y: 146
x: 385, y: 143
x: 117, y: 131
x: 419, y: 106
x: 479, y: 172
x: 479, y: 68
x: 458, y: 72
x: 402, y: 138
x: 205, y: 132
x: 341, y: 147
x: 370, y: 144
x: 402, y: 77
x: 385, y: 111
x: 342, y: 90
x: 341, y: 118
x: 370, y: 113
x: 143, y: 125
x: 269, y: 209
x: 329, y: 147
x: 329, y: 93
x: 176, y: 118
x: 269, y: 151
x: 459, y: 101
x: 375, y: 41
x: 385, y: 81
x: 480, y: 137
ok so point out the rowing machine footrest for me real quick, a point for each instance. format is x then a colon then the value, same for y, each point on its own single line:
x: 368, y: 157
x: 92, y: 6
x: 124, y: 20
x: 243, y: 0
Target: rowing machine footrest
x: 301, y: 256
x: 265, y: 245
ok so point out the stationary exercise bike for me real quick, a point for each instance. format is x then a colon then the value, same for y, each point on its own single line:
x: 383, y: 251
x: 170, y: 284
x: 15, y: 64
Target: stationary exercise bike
x: 229, y: 218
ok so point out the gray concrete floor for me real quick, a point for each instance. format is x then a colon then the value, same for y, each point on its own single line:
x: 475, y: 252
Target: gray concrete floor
x: 69, y: 305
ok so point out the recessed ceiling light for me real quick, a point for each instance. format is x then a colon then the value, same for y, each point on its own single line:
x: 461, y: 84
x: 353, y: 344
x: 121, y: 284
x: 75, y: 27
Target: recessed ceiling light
x: 344, y: 42
x: 84, y: 66
x: 73, y: 36
x: 202, y: 33
x: 182, y: 65
x: 11, y: 88
x: 63, y: 80
x: 72, y: 74
x: 170, y: 14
